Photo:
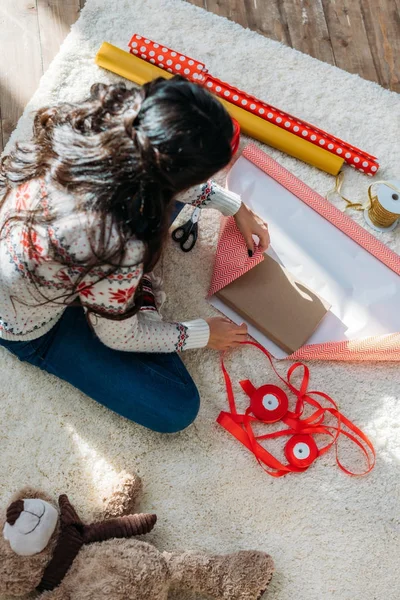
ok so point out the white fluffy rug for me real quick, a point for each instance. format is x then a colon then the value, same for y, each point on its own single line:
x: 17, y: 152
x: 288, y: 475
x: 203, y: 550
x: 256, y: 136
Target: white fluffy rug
x: 331, y: 536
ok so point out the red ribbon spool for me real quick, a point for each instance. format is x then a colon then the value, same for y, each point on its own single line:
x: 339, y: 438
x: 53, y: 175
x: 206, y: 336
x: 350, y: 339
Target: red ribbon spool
x: 301, y: 451
x: 269, y: 403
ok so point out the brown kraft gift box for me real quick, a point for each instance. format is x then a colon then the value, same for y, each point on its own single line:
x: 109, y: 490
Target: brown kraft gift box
x: 276, y: 303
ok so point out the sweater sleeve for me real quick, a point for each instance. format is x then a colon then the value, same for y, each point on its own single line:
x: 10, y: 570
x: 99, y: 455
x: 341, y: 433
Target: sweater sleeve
x: 113, y: 295
x: 212, y: 195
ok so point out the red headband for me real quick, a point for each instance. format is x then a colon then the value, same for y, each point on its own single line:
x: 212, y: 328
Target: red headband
x: 235, y: 137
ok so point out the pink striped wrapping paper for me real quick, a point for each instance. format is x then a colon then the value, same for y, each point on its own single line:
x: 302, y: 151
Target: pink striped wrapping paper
x: 230, y: 244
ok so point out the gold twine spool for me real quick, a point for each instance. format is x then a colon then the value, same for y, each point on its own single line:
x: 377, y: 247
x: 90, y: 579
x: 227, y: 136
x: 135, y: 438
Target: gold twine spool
x: 379, y: 216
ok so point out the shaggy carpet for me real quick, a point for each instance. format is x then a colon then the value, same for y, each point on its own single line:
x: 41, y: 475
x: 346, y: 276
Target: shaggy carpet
x: 332, y: 536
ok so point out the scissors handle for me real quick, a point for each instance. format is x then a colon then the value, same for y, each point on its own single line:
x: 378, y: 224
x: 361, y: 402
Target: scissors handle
x: 186, y: 235
x: 178, y: 234
x: 188, y: 243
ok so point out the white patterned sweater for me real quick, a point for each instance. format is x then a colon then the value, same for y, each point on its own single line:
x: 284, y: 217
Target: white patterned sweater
x: 30, y: 274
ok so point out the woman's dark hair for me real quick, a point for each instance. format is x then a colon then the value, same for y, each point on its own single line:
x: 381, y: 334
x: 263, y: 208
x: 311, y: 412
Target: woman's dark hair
x: 124, y: 154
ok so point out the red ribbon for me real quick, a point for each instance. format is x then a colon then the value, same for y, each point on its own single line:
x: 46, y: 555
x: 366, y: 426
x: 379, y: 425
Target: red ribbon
x: 301, y: 449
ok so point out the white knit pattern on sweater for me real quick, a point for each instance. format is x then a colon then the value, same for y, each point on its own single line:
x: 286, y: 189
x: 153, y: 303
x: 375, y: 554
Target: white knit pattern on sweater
x: 37, y: 273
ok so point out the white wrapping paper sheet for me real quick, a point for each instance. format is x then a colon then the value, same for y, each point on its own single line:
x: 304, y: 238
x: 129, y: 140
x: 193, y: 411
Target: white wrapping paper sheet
x: 363, y: 292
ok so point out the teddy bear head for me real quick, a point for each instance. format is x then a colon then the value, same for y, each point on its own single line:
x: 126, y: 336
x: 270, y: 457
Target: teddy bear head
x: 28, y: 533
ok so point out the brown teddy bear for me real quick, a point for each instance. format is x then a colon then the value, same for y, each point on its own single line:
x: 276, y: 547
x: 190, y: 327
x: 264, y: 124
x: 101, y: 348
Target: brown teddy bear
x: 48, y: 549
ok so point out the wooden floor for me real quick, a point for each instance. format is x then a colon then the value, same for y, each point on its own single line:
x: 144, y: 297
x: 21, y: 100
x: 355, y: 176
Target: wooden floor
x: 359, y: 36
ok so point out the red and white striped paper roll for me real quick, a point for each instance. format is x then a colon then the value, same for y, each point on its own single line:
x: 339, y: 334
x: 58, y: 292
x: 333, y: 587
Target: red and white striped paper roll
x: 353, y: 156
x: 178, y: 63
x: 167, y: 59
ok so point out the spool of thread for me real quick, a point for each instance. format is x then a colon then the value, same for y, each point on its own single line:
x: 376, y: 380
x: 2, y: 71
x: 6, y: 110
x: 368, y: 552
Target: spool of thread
x: 383, y: 212
x: 269, y: 403
x: 301, y: 451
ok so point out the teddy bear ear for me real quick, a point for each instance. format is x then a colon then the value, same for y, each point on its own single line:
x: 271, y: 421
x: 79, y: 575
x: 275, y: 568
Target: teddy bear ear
x: 13, y: 511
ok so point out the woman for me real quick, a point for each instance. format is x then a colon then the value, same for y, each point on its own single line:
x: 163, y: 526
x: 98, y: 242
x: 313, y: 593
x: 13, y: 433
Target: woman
x: 85, y: 209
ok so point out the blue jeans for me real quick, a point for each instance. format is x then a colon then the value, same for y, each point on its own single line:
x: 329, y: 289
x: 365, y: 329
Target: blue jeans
x: 154, y: 390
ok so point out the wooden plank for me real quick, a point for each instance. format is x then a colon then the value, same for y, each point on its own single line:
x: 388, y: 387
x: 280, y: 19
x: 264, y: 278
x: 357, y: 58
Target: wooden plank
x: 200, y: 3
x: 308, y: 29
x: 269, y: 19
x: 382, y: 23
x: 21, y: 63
x: 235, y: 10
x: 254, y: 14
x: 349, y: 38
x: 55, y: 20
x: 82, y: 3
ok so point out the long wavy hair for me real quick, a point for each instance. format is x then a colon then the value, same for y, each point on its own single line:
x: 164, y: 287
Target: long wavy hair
x: 124, y: 154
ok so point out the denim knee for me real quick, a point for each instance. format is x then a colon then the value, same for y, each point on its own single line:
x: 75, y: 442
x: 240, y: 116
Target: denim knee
x: 185, y: 413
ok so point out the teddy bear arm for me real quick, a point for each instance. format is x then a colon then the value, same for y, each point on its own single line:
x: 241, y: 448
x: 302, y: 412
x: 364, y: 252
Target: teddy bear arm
x: 241, y: 576
x: 123, y: 497
x: 120, y: 527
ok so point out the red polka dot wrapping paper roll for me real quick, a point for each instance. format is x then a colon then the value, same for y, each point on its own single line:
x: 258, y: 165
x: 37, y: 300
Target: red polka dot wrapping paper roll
x: 165, y: 58
x: 179, y: 64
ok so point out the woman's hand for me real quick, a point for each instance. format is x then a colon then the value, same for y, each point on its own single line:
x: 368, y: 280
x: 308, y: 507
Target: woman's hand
x: 250, y: 224
x: 224, y: 334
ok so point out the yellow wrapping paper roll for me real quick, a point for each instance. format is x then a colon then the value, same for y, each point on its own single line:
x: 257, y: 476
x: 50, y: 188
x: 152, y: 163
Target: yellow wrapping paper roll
x: 139, y: 71
x: 283, y: 140
x: 128, y: 65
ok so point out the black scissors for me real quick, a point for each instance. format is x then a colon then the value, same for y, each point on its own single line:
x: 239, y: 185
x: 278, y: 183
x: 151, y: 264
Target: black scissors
x: 186, y: 234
